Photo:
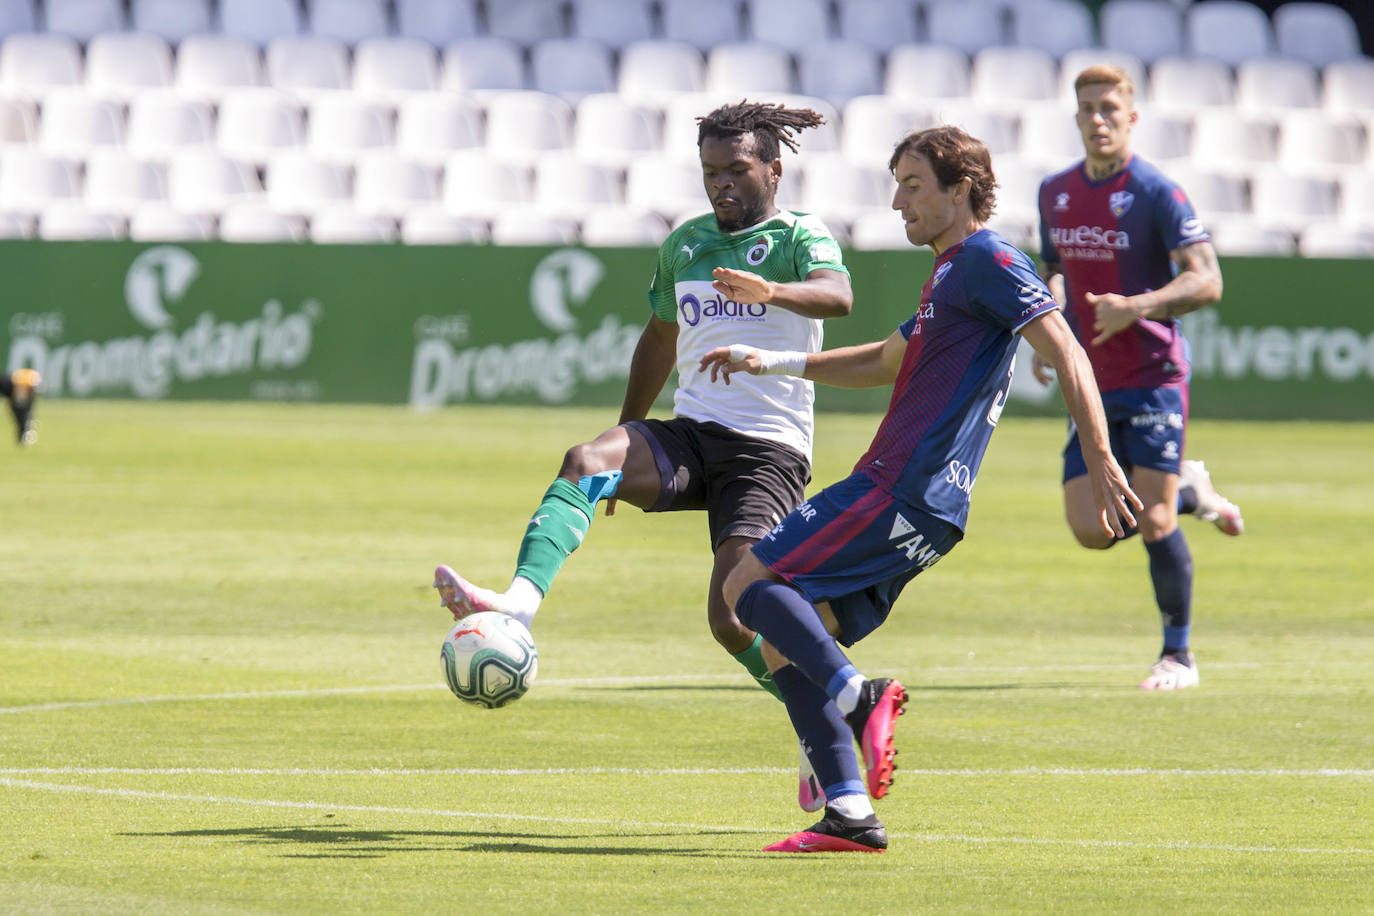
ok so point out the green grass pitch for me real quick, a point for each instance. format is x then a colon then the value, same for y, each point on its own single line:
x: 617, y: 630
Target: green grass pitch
x: 220, y: 688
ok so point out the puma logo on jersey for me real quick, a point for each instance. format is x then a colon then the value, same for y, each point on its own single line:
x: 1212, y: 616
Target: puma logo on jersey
x: 691, y: 250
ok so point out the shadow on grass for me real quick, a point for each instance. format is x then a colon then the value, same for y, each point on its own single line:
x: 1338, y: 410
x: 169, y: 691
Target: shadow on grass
x: 339, y: 841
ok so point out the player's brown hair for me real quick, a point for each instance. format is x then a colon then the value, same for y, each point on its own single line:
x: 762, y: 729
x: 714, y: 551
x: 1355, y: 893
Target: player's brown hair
x: 1105, y: 73
x: 954, y: 155
x: 771, y: 125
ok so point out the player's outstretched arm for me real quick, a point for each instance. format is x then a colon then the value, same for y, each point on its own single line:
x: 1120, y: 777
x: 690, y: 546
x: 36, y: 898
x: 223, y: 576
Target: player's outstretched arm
x: 823, y: 294
x: 1116, y: 503
x: 867, y: 365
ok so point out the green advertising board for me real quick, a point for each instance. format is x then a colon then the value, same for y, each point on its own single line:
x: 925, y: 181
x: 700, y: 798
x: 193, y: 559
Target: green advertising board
x: 431, y: 326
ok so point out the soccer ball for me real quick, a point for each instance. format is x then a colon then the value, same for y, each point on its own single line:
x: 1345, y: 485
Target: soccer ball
x: 489, y: 659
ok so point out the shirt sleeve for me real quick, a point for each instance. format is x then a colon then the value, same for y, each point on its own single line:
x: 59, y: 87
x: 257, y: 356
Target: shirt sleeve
x: 662, y: 288
x: 1175, y: 219
x: 815, y: 248
x: 1004, y: 289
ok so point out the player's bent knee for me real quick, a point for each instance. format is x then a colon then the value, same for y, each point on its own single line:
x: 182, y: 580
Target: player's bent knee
x: 1093, y: 538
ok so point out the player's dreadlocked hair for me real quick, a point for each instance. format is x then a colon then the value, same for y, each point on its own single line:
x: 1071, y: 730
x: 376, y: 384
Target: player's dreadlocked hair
x: 771, y: 125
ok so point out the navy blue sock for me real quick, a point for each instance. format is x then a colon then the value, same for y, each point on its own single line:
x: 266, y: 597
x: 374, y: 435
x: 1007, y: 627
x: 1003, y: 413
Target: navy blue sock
x: 828, y: 738
x: 782, y: 616
x: 1171, y: 570
x: 1187, y: 500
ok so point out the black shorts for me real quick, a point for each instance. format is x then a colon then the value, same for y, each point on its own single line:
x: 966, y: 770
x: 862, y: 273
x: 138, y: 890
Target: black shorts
x: 747, y: 485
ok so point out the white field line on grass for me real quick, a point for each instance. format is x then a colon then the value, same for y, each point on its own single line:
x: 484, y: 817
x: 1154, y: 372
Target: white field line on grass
x: 548, y: 682
x: 995, y: 773
x: 24, y: 784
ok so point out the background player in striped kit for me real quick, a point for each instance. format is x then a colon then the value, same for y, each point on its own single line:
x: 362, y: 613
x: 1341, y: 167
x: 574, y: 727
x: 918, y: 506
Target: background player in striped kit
x: 1123, y: 250
x: 831, y: 571
x: 746, y: 270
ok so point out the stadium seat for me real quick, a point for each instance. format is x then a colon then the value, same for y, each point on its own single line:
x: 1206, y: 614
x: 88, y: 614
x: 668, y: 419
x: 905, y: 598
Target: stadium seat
x: 873, y: 124
x: 1160, y: 137
x: 532, y: 226
x: 298, y: 183
x: 1348, y: 86
x: 1319, y: 33
x: 1049, y: 136
x: 70, y: 221
x: 522, y: 125
x: 349, y: 21
x: 342, y: 127
x: 926, y: 73
x: 17, y: 16
x: 1232, y: 31
x: 969, y: 25
x: 1244, y: 238
x: 393, y: 68
x: 436, y: 226
x: 743, y: 67
x: 306, y: 65
x: 254, y: 124
x: 1231, y: 141
x: 1018, y: 186
x: 162, y: 223
x: 837, y: 188
x: 623, y: 227
x: 478, y: 185
x: 568, y: 186
x: 1357, y: 198
x: 1335, y: 240
x: 430, y: 126
x: 16, y: 225
x: 610, y: 130
x: 1005, y: 79
x: 703, y: 24
x: 1215, y: 195
x: 651, y: 71
x: 875, y: 231
x: 31, y: 65
x: 207, y: 182
x: 1190, y: 83
x: 571, y: 67
x: 18, y: 122
x: 1293, y: 201
x: 526, y: 21
x: 483, y: 64
x: 121, y: 183
x: 120, y: 65
x: 256, y: 223
x: 614, y: 23
x: 1053, y: 26
x: 1021, y: 230
x: 880, y: 24
x: 208, y: 66
x: 997, y: 129
x: 171, y: 20
x: 74, y: 122
x: 680, y: 128
x: 1267, y: 83
x: 259, y: 21
x: 82, y: 20
x: 790, y: 24
x: 1076, y: 61
x: 1148, y: 29
x: 666, y: 185
x: 342, y: 225
x: 838, y: 71
x: 161, y: 122
x: 30, y: 179
x: 387, y: 184
x: 438, y: 22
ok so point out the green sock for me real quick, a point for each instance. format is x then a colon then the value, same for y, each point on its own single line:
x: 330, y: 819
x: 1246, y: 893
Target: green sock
x: 557, y: 528
x: 752, y: 660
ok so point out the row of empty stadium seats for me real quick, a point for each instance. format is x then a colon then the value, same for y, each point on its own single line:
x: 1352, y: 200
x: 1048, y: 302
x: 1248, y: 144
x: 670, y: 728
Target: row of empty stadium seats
x: 1230, y: 30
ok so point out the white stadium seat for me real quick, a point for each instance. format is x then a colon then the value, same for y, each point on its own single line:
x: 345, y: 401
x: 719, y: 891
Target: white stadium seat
x: 343, y: 225
x: 532, y: 226
x: 478, y: 185
x: 1246, y: 239
x: 17, y: 225
x: 1076, y: 61
x: 969, y: 25
x: 650, y: 71
x: 1215, y: 195
x: 483, y: 64
x: 878, y: 23
x: 386, y: 184
x: 571, y: 67
x: 1053, y: 26
x: 1007, y: 78
x: 307, y: 65
x: 838, y: 71
x: 436, y: 226
x: 162, y: 223
x: 255, y: 223
x: 1232, y: 31
x: 160, y: 122
x: 875, y: 231
x: 82, y: 19
x: 18, y: 121
x: 32, y: 65
x: 668, y: 186
x: 349, y: 21
x: 1231, y: 141
x: 1158, y: 136
x: 1279, y: 197
x: 1148, y: 29
x: 1357, y: 198
x: 703, y: 24
x: 526, y: 21
x: 790, y: 24
x: 431, y: 126
x: 739, y: 68
x: 254, y: 124
x: 623, y: 227
x: 1319, y: 33
x: 1313, y: 141
x: 1267, y: 83
x: 392, y: 68
x: 873, y: 124
x: 259, y: 21
x: 613, y: 131
x: 121, y: 65
x: 1190, y: 83
x: 298, y: 183
x: 208, y: 182
x: 74, y: 122
x: 208, y: 66
x: 924, y: 72
x: 837, y: 188
x: 70, y: 221
x: 614, y: 23
x: 343, y: 127
x: 566, y: 185
x: 1335, y: 240
x: 437, y: 21
x: 1049, y: 135
x: 30, y: 179
x: 171, y: 20
x: 521, y: 125
x: 120, y: 183
x: 1348, y: 87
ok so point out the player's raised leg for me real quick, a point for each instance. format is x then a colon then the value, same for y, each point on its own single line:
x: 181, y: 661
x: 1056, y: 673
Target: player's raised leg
x: 1197, y: 496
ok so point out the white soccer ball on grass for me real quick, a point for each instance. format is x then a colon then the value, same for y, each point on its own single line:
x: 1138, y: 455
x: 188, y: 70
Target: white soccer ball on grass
x: 489, y: 659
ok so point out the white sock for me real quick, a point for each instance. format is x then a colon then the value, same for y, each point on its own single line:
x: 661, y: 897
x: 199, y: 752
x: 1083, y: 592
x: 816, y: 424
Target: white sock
x: 851, y: 807
x: 522, y: 600
x: 848, y: 699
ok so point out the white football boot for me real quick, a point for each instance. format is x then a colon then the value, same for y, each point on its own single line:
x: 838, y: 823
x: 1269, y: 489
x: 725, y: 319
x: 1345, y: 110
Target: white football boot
x: 1171, y: 674
x: 1211, y: 505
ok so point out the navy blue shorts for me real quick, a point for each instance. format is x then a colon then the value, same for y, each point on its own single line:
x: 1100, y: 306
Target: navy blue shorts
x: 854, y: 546
x: 1146, y: 426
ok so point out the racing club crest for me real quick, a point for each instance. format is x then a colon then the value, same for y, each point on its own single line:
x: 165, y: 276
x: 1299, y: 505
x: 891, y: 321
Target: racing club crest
x: 1120, y: 202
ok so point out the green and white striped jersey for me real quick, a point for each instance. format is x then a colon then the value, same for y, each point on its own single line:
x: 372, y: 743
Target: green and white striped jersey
x: 783, y: 248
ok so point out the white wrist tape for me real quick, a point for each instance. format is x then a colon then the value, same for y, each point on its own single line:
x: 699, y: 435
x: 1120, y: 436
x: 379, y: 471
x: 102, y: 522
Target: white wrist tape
x: 774, y: 362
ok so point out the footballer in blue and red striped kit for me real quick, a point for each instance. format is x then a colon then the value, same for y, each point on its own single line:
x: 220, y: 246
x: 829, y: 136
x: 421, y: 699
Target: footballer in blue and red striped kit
x: 829, y: 573
x: 1132, y: 255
